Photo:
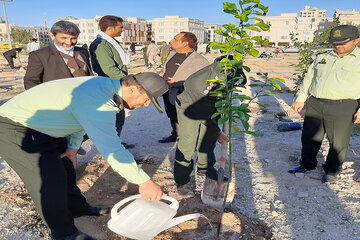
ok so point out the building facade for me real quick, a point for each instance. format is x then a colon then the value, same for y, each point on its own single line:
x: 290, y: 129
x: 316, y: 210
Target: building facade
x: 311, y: 23
x: 166, y: 28
x: 348, y: 17
x: 3, y: 30
x: 211, y: 35
x: 136, y: 29
x: 40, y: 33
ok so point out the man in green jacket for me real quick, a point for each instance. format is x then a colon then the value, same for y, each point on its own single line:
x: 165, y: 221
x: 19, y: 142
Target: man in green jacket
x: 199, y: 131
x: 331, y: 90
x: 108, y: 58
x: 39, y: 139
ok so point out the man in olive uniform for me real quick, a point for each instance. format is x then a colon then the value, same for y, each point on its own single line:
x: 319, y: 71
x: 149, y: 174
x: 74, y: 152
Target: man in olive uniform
x: 144, y: 49
x: 198, y: 131
x: 330, y: 89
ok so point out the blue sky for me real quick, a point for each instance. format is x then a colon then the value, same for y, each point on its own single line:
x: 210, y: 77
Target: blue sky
x: 32, y: 12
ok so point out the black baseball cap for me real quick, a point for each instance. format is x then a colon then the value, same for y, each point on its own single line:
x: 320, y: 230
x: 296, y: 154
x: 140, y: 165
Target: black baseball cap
x: 343, y: 34
x: 154, y: 85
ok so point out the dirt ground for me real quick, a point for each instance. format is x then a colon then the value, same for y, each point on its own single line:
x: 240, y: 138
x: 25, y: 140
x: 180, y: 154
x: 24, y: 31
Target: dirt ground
x: 269, y: 202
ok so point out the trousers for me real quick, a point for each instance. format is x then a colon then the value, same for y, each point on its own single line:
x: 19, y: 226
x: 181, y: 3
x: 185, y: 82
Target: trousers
x: 49, y: 179
x: 195, y: 135
x: 333, y: 117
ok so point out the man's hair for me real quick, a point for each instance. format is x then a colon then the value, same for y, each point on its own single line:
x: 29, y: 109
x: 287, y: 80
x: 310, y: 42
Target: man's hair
x: 130, y: 80
x: 65, y: 27
x: 109, y: 21
x: 152, y: 41
x: 190, y: 38
x: 34, y: 39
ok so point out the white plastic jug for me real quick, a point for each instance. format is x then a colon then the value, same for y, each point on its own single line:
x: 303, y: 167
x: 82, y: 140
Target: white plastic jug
x: 143, y: 220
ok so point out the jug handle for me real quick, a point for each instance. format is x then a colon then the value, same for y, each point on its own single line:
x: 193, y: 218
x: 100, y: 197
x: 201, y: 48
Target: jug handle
x: 174, y: 203
x: 115, y: 208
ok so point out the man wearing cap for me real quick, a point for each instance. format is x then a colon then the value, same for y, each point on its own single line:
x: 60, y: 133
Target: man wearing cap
x: 37, y: 137
x: 330, y: 89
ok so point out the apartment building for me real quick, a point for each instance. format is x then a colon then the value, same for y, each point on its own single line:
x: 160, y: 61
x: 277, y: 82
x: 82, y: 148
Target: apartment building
x: 40, y: 33
x: 3, y: 30
x: 211, y: 35
x: 311, y: 23
x: 348, y: 17
x: 136, y: 29
x: 166, y: 28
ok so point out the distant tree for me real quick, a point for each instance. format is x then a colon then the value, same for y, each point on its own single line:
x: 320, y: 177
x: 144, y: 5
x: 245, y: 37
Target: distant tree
x: 21, y: 36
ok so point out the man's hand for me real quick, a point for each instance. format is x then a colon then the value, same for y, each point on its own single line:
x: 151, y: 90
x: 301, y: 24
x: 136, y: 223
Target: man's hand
x: 70, y: 153
x: 357, y: 118
x: 298, y: 106
x: 222, y: 138
x: 170, y: 82
x: 161, y: 74
x: 150, y: 191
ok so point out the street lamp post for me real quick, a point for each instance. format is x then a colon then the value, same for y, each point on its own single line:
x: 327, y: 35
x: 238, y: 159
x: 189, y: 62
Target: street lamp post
x: 7, y: 24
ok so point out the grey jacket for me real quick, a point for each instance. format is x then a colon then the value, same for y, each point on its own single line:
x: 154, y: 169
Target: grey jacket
x: 192, y: 64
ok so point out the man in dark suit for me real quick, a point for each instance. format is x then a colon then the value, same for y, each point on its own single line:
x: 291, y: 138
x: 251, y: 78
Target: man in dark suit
x: 59, y: 60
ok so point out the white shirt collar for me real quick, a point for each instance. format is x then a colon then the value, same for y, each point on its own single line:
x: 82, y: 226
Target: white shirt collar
x: 67, y: 52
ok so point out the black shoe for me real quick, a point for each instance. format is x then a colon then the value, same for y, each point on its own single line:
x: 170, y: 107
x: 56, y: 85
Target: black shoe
x: 128, y: 145
x: 299, y: 169
x: 78, y: 236
x: 171, y: 138
x: 210, y: 172
x: 93, y: 211
x: 329, y: 177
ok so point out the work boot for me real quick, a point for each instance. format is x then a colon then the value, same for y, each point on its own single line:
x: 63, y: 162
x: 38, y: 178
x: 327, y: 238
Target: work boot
x: 299, y: 169
x: 171, y: 138
x: 329, y: 178
x: 210, y: 172
x: 78, y: 236
x: 81, y: 151
x: 93, y: 211
x: 185, y: 191
x: 128, y: 145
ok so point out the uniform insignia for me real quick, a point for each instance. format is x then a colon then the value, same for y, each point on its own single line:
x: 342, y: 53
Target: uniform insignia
x: 337, y: 33
x: 323, y: 61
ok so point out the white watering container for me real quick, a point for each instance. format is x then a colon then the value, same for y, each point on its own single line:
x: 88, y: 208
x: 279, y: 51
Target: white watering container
x: 143, y: 220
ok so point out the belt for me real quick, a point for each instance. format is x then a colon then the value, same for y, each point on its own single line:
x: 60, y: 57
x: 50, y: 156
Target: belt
x: 331, y: 101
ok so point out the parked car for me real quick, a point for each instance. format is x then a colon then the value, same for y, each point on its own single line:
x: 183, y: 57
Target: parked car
x: 139, y: 47
x: 290, y: 50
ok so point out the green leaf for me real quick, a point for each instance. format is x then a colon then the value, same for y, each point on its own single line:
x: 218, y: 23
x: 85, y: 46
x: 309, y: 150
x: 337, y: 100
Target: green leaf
x: 257, y: 39
x: 254, y: 29
x: 220, y: 103
x: 238, y: 57
x: 240, y: 114
x: 240, y: 49
x: 230, y: 8
x: 262, y: 7
x: 246, y: 68
x: 260, y: 104
x: 235, y: 128
x: 215, y: 115
x: 262, y: 25
x: 253, y: 52
x: 223, y: 120
x: 243, y: 97
x: 216, y: 81
x: 251, y: 133
x: 246, y: 125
